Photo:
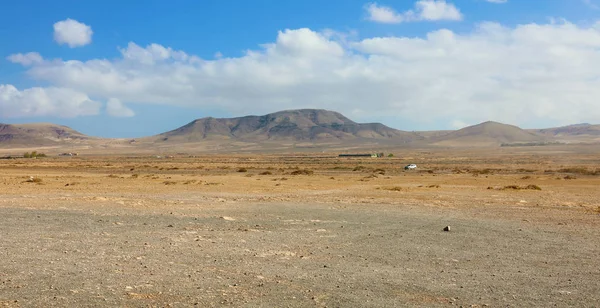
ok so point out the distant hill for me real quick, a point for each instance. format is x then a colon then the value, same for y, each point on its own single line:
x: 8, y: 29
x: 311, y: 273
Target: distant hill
x: 577, y: 133
x: 570, y: 130
x: 296, y: 130
x: 41, y: 134
x: 296, y: 125
x: 487, y: 134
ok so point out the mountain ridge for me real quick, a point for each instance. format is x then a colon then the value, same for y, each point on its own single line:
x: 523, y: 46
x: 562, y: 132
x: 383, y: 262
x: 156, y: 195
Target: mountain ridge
x: 299, y: 125
x: 303, y: 126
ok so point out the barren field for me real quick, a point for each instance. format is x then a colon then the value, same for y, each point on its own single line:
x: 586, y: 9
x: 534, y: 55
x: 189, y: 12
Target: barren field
x: 303, y: 230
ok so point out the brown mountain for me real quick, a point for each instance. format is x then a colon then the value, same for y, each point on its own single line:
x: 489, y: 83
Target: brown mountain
x: 584, y: 133
x: 38, y: 134
x: 571, y: 130
x: 294, y: 125
x: 487, y: 134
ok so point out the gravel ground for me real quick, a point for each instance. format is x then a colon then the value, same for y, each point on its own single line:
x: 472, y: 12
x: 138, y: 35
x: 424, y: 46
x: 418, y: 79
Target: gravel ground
x: 294, y: 254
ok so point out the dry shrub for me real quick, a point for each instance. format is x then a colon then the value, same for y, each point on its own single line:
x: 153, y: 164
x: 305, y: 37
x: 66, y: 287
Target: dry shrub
x: 190, y: 182
x: 569, y: 177
x: 527, y: 177
x: 532, y: 187
x: 395, y: 188
x: 359, y: 168
x: 482, y: 171
x: 528, y: 187
x: 580, y: 170
x: 113, y: 176
x: 525, y: 170
x: 340, y: 168
x: 169, y: 182
x: 242, y: 170
x: 135, y: 176
x: 379, y: 171
x: 434, y: 186
x: 302, y: 172
x: 266, y: 173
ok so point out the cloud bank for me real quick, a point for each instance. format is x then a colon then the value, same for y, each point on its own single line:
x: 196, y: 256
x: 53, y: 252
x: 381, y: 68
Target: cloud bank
x: 35, y: 102
x: 425, y: 10
x: 528, y: 73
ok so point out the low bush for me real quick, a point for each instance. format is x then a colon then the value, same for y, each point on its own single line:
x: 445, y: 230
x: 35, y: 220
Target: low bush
x: 33, y: 154
x: 516, y: 187
x: 302, y: 172
x: 395, y: 188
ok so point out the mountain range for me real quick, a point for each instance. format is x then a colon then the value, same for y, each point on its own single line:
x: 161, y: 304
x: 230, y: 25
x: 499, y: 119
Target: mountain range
x: 308, y: 128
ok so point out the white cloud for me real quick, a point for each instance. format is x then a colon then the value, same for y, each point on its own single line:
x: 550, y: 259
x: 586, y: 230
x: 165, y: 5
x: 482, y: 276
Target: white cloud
x: 72, y: 33
x: 529, y: 73
x: 25, y: 59
x: 425, y: 10
x: 383, y: 14
x: 115, y: 108
x: 34, y: 102
x: 498, y: 1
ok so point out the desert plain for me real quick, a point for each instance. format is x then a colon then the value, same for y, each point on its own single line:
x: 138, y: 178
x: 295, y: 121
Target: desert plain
x: 303, y: 230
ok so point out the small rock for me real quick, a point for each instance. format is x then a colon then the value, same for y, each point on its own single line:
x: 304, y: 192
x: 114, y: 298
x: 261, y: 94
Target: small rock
x: 447, y: 228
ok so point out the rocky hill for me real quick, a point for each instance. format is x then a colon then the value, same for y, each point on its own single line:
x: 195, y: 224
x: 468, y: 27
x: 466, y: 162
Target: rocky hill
x: 41, y: 134
x: 297, y: 125
x: 487, y: 134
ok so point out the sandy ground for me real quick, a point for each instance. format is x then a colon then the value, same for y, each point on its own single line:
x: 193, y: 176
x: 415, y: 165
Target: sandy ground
x: 302, y: 230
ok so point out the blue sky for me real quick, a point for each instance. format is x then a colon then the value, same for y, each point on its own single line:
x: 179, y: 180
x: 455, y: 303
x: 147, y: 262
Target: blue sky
x: 412, y: 65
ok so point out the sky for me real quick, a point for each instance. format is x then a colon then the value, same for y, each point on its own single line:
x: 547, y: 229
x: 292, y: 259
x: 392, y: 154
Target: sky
x: 142, y: 67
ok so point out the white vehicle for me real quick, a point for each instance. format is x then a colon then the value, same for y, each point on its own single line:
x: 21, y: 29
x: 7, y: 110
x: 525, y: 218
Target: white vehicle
x: 410, y: 167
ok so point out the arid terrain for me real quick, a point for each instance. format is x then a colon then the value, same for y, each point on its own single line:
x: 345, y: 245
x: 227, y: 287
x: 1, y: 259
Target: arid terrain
x: 303, y: 230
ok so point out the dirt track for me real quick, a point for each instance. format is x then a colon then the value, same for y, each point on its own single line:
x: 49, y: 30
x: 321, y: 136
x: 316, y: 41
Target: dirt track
x: 340, y: 237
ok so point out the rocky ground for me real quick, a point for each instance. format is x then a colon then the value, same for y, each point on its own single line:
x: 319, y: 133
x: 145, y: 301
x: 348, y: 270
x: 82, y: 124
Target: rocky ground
x: 301, y: 231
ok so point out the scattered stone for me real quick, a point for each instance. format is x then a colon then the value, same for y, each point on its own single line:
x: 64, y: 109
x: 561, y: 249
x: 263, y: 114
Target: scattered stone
x: 447, y: 228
